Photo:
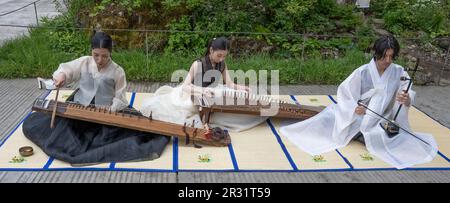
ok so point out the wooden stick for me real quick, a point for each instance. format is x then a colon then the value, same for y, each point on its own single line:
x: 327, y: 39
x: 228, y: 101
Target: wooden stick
x: 52, y: 123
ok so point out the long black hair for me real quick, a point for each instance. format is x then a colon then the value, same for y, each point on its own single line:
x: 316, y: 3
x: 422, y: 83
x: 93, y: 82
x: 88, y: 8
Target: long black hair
x: 220, y: 43
x: 101, y: 40
x: 384, y: 43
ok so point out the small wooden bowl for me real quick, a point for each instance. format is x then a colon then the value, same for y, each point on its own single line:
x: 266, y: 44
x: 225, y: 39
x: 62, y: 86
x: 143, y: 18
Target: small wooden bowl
x: 26, y: 151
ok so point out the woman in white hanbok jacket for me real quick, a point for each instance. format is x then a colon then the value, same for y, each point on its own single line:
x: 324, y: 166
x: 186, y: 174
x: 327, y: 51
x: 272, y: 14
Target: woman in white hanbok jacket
x: 101, y: 82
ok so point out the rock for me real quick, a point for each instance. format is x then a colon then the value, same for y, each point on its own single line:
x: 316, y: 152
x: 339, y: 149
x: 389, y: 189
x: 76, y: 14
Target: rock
x: 347, y: 35
x: 378, y: 22
x: 345, y: 2
x: 420, y: 68
x: 428, y: 47
x: 245, y: 46
x: 421, y: 34
x: 411, y: 58
x: 135, y: 39
x: 267, y: 48
x: 422, y: 78
x: 328, y: 53
x: 443, y: 42
x: 381, y: 31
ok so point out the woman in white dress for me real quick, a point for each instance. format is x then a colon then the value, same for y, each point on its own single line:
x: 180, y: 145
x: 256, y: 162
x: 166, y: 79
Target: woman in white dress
x: 207, y: 76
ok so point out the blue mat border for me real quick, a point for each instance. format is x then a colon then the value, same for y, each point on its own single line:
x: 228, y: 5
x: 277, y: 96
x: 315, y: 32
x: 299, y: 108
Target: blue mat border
x: 223, y: 170
x: 283, y: 147
x: 175, y: 155
x: 233, y: 157
x: 235, y: 165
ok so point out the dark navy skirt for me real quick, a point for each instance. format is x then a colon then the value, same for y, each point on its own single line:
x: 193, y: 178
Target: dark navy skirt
x: 84, y: 143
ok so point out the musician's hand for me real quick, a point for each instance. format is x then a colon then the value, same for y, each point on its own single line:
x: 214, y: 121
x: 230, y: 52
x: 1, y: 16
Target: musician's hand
x: 242, y: 87
x: 208, y: 92
x: 60, y: 79
x: 360, y: 110
x: 403, y: 98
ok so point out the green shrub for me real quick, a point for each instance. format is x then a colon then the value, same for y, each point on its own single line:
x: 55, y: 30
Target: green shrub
x: 430, y: 16
x: 63, y: 36
x: 270, y: 16
x: 365, y: 37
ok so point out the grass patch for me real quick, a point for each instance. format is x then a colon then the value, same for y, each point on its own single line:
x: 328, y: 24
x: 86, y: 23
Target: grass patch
x: 30, y: 57
x: 33, y: 56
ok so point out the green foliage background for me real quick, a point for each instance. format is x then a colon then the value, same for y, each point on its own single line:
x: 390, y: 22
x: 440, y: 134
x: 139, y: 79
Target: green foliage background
x: 299, y: 30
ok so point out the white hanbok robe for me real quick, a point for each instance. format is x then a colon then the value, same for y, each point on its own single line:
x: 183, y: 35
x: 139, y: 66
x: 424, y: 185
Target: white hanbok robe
x: 336, y: 125
x: 107, y: 86
x: 172, y: 105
